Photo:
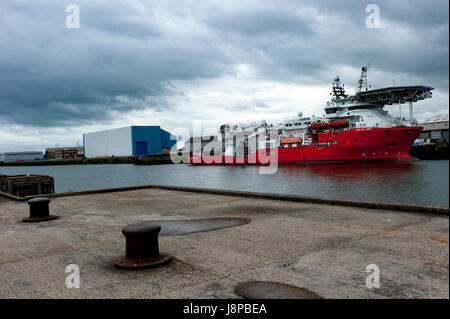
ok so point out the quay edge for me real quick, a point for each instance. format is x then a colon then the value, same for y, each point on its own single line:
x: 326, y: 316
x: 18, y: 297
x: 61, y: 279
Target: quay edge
x: 403, y: 207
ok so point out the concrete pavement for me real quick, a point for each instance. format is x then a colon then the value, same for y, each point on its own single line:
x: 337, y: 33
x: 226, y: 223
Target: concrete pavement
x: 323, y: 248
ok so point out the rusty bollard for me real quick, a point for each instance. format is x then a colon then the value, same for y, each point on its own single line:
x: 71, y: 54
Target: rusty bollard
x: 39, y: 210
x: 142, y: 248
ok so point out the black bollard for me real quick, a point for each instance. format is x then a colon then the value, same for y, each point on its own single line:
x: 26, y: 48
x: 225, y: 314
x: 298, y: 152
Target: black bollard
x: 39, y: 210
x: 142, y: 248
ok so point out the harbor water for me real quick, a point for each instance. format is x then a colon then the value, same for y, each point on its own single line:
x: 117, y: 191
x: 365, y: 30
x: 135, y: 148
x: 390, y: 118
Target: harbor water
x: 422, y: 182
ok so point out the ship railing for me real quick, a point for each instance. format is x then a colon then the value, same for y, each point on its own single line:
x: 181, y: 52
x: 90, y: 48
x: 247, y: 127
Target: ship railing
x: 404, y: 122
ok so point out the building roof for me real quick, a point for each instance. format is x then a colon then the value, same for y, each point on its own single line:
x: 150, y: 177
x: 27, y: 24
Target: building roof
x: 54, y: 149
x: 437, y: 118
x: 123, y: 127
x: 23, y: 153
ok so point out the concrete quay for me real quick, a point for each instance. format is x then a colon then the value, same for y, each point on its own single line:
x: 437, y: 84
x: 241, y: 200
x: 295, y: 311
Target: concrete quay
x: 219, y: 241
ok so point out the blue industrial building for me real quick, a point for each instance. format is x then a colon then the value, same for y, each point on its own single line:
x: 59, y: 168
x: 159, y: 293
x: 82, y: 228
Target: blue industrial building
x: 150, y: 140
x: 128, y: 141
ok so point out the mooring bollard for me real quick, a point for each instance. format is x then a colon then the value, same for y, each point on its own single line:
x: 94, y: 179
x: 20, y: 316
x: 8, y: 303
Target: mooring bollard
x: 39, y: 210
x: 142, y: 248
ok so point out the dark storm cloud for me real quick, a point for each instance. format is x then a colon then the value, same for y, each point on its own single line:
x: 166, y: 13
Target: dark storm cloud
x: 126, y: 56
x: 258, y: 21
x: 54, y: 76
x: 413, y: 38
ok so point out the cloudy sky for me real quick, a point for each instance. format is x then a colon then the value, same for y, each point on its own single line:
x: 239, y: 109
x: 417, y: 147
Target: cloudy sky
x: 171, y: 62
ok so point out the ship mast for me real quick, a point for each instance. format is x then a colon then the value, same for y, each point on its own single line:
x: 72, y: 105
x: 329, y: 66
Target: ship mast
x: 338, y: 89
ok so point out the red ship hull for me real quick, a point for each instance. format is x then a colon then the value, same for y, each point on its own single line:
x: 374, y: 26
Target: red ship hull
x: 354, y: 145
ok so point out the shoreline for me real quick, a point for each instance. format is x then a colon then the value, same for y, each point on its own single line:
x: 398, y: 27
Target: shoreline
x: 154, y: 159
x: 420, y: 153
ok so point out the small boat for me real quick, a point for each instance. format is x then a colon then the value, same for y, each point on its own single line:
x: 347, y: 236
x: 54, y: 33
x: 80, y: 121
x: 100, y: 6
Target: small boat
x: 291, y: 140
x: 338, y: 124
x: 319, y: 125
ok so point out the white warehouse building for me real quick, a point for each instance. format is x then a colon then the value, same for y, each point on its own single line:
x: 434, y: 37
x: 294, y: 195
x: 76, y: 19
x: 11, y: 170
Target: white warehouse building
x: 11, y: 157
x: 127, y: 141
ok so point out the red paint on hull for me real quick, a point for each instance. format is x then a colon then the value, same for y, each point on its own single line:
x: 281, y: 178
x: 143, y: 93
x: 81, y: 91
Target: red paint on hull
x: 354, y: 145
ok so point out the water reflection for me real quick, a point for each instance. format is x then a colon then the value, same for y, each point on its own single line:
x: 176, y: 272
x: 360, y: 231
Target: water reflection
x: 348, y: 171
x: 424, y: 182
x: 394, y: 182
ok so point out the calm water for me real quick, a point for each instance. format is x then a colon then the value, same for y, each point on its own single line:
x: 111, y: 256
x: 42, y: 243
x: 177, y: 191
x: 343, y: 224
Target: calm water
x: 423, y: 182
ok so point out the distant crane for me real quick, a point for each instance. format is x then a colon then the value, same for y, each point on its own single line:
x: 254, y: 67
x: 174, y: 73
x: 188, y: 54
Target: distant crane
x: 363, y: 78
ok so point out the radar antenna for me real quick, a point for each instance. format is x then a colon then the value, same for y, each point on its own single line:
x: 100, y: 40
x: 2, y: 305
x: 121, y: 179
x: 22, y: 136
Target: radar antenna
x: 338, y: 89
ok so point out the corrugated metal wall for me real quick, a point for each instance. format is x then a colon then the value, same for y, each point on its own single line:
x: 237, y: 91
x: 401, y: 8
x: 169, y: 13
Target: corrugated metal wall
x: 146, y: 134
x: 127, y: 141
x: 166, y: 142
x: 115, y: 142
x: 21, y: 156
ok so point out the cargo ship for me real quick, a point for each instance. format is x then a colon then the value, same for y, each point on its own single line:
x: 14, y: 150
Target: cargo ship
x: 353, y: 129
